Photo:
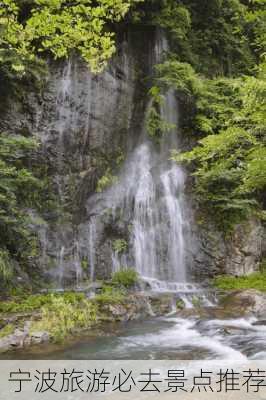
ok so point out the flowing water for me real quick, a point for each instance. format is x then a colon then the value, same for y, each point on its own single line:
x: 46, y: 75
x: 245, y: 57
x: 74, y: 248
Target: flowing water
x: 148, y: 197
x: 149, y: 194
x: 173, y: 337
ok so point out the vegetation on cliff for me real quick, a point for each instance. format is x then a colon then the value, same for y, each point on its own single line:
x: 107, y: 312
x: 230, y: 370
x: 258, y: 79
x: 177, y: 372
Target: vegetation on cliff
x: 31, y: 31
x: 256, y: 281
x: 63, y: 314
x: 215, y: 64
x: 19, y: 189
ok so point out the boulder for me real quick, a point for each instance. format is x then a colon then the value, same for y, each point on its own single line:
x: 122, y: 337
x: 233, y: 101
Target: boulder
x: 40, y: 337
x: 246, y: 302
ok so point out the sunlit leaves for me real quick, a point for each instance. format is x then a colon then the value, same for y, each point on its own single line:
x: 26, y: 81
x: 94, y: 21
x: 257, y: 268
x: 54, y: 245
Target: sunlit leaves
x: 60, y: 26
x: 229, y: 164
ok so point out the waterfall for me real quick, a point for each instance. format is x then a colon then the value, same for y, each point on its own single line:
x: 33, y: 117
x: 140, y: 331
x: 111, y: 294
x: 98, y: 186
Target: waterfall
x: 61, y: 265
x: 77, y: 263
x: 91, y: 248
x: 148, y: 198
x: 149, y: 195
x: 144, y: 207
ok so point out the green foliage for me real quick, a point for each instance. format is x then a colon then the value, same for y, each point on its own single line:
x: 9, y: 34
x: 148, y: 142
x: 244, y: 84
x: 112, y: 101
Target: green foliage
x: 64, y: 315
x: 229, y: 163
x: 254, y: 281
x: 254, y: 179
x: 59, y: 26
x: 29, y: 303
x: 105, y: 181
x: 119, y: 246
x: 180, y: 305
x: 174, y: 17
x: 263, y: 265
x: 197, y: 301
x: 19, y: 189
x: 178, y: 75
x: 6, y: 267
x: 215, y: 37
x: 125, y: 277
x: 156, y: 126
x: 219, y: 39
x: 7, y: 330
x: 256, y: 20
x: 213, y: 44
x: 110, y: 295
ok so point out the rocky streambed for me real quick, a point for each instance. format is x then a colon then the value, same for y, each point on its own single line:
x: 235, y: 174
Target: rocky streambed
x: 153, y: 325
x: 17, y: 329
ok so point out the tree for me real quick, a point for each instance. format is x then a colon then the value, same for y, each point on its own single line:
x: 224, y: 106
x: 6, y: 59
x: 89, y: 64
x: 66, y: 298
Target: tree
x: 29, y: 28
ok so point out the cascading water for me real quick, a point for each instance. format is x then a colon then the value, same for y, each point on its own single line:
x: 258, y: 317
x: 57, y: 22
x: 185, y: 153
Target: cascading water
x: 145, y: 210
x: 145, y: 207
x: 92, y: 237
x: 149, y: 198
x: 156, y: 195
x: 149, y: 195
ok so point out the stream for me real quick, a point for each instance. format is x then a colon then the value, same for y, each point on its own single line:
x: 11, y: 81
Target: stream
x: 202, y: 334
x: 143, y: 219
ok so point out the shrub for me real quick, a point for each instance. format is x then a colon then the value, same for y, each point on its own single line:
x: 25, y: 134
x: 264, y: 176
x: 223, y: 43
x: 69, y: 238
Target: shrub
x: 126, y: 277
x: 28, y: 303
x: 119, y: 246
x: 105, y: 181
x: 65, y: 315
x: 256, y: 281
x: 180, y: 305
x: 110, y: 295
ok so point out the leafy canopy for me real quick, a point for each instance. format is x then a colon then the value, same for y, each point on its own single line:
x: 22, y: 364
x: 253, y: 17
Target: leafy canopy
x: 229, y: 162
x: 28, y: 28
x: 216, y: 65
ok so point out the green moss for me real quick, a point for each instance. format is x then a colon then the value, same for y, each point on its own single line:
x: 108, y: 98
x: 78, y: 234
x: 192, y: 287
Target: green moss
x: 119, y: 246
x: 256, y: 281
x: 84, y: 264
x: 126, y: 277
x: 7, y: 330
x: 180, y: 305
x: 105, y: 181
x: 120, y: 157
x: 6, y: 268
x: 196, y: 301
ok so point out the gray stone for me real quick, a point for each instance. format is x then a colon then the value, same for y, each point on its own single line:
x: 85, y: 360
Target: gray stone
x: 4, y: 345
x: 248, y: 301
x: 84, y: 121
x: 40, y: 337
x: 213, y: 253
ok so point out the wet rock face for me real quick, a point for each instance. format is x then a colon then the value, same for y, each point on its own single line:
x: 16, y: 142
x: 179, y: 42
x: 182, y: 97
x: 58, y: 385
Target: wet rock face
x: 86, y: 124
x: 238, y: 254
x: 245, y: 249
